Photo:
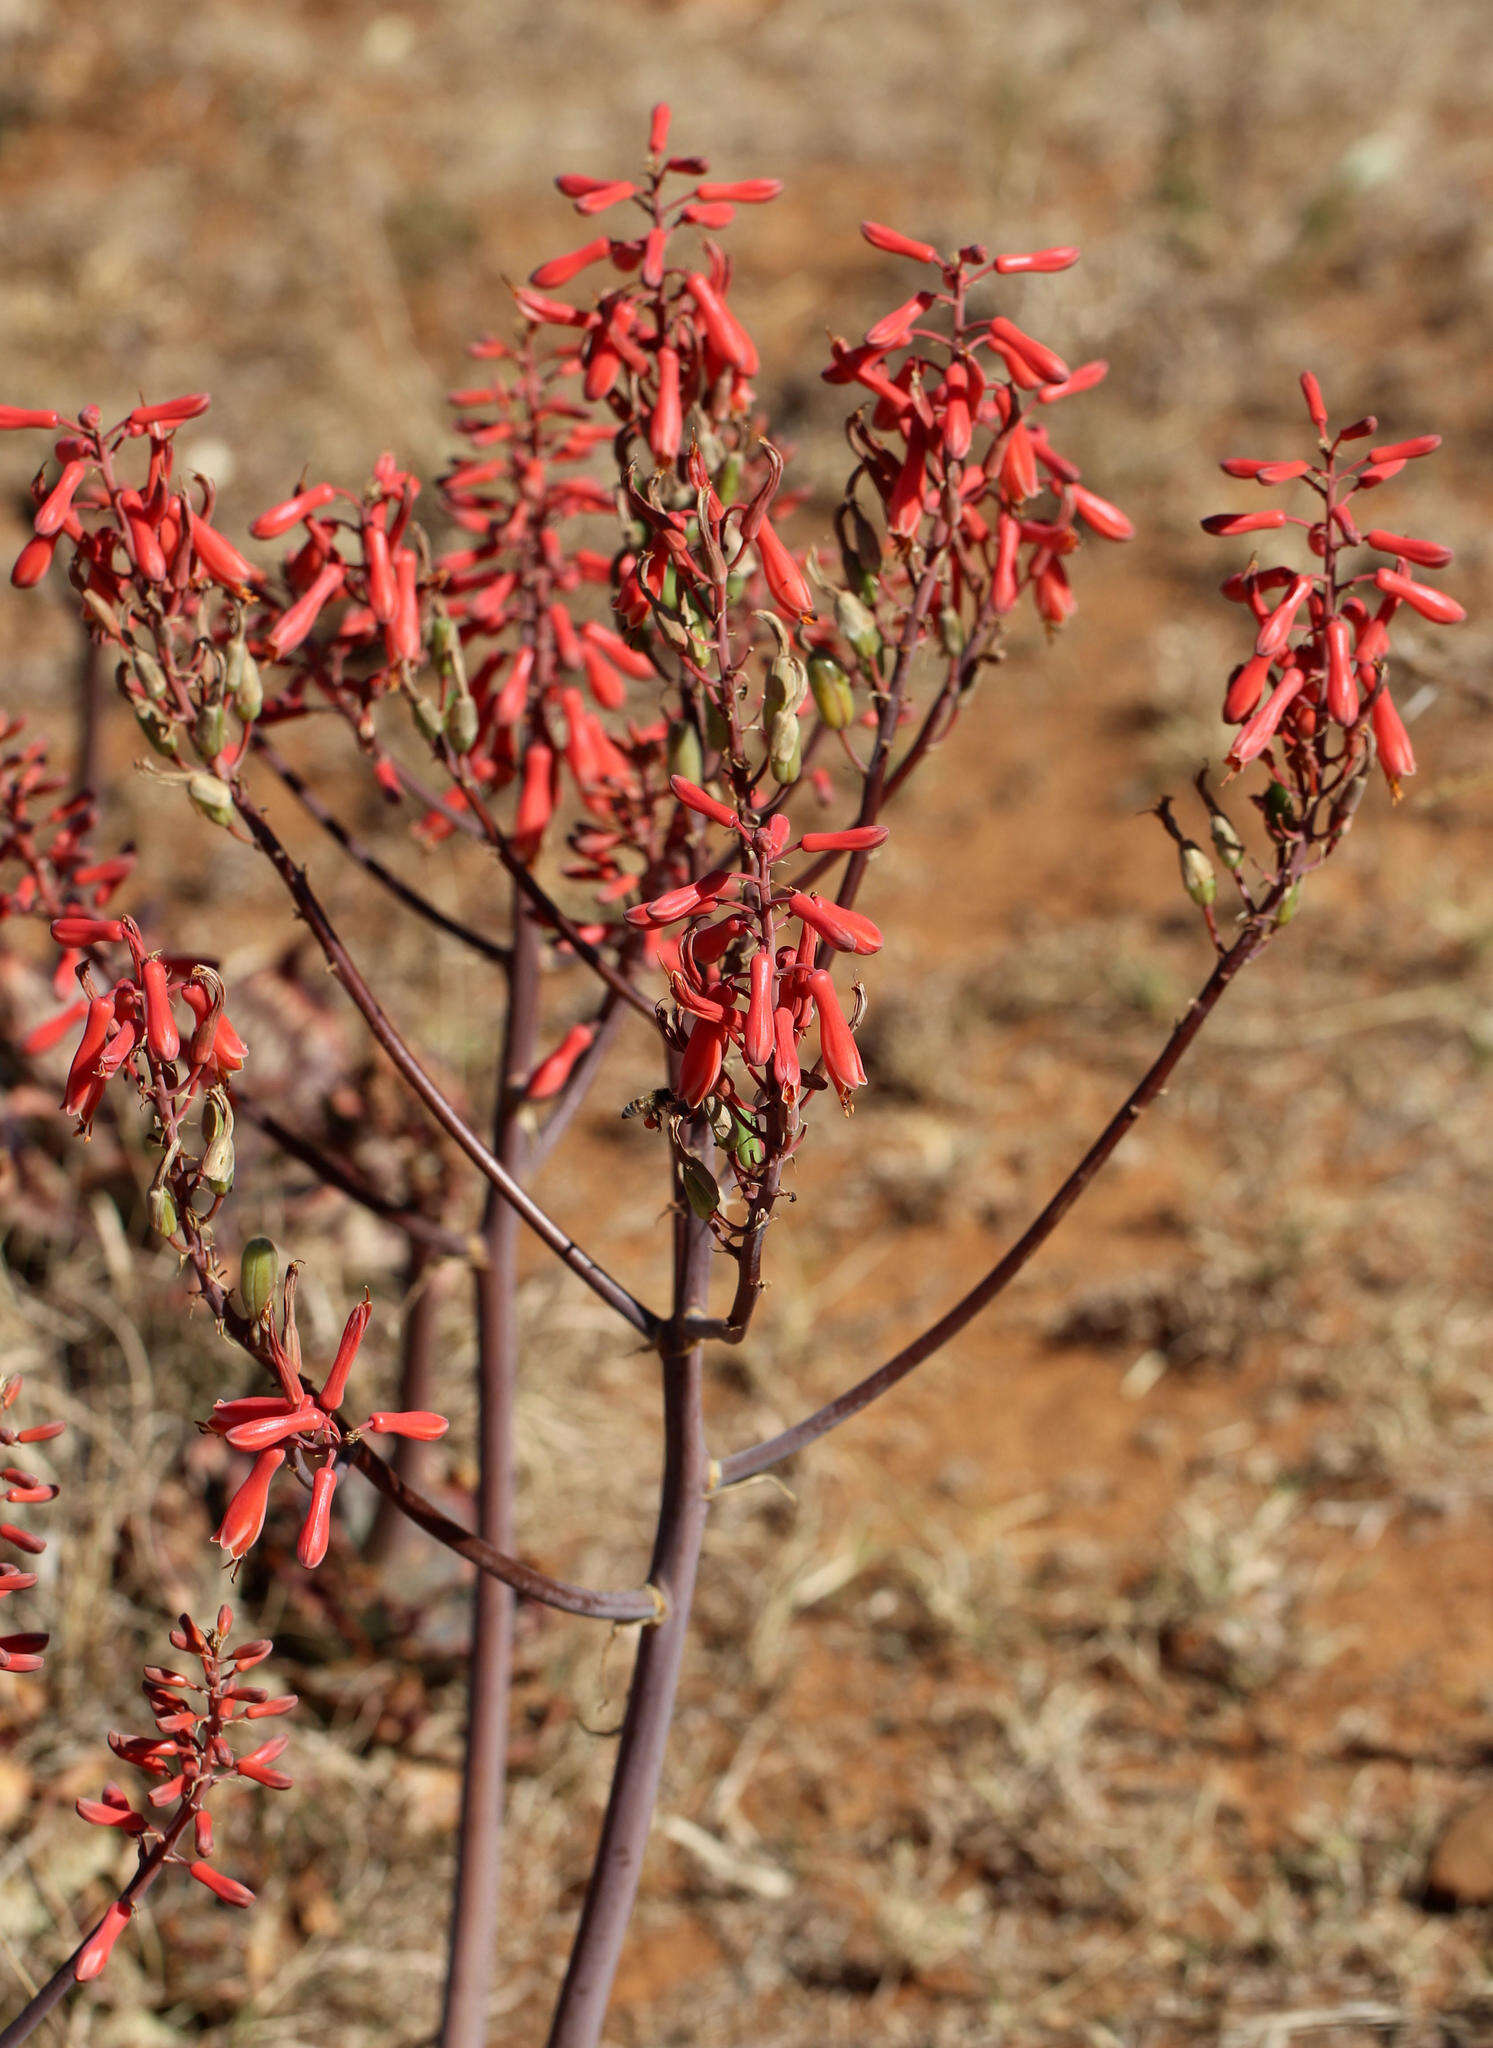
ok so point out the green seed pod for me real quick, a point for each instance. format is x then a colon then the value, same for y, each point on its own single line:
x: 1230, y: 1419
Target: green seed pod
x: 152, y: 676
x: 1226, y: 841
x: 832, y: 692
x: 785, y: 752
x: 860, y: 547
x: 258, y: 1270
x: 157, y: 730
x: 701, y: 1189
x: 1198, y: 878
x: 160, y: 1208
x: 1279, y: 809
x: 686, y: 755
x: 720, y: 1117
x: 212, y: 796
x: 430, y: 719
x: 446, y: 651
x: 462, y: 722
x: 717, y: 729
x: 245, y: 688
x: 728, y: 480
x: 857, y: 627
x: 210, y: 731
x: 1290, y: 903
x: 951, y: 634
x: 749, y: 1150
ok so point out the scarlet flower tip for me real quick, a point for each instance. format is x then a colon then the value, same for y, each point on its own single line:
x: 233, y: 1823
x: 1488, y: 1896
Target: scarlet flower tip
x: 15, y: 418
x: 891, y: 243
x: 95, y: 1952
x: 227, y: 1889
x: 1043, y: 260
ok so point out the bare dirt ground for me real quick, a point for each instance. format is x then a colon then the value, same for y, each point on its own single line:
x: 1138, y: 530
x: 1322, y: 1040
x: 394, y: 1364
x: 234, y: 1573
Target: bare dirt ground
x: 1111, y: 1683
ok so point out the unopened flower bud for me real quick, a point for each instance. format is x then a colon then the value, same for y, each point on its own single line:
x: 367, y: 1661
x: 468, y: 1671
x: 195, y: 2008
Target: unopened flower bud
x: 833, y: 696
x: 1198, y: 878
x: 259, y: 1269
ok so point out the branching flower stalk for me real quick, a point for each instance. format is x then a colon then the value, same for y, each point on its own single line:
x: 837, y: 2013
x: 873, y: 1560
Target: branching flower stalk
x: 683, y: 744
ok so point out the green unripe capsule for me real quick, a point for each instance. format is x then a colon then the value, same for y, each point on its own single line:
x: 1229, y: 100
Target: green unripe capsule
x: 1226, y: 841
x: 833, y: 696
x: 686, y: 756
x: 701, y: 1189
x: 1198, y: 878
x: 258, y: 1270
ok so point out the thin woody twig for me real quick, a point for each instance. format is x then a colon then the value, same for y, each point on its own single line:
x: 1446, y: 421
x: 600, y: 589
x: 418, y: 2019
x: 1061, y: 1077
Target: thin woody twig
x: 745, y: 1464
x: 611, y: 1291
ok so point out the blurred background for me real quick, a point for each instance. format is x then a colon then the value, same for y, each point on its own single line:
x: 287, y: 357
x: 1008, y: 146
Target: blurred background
x: 1127, y: 1677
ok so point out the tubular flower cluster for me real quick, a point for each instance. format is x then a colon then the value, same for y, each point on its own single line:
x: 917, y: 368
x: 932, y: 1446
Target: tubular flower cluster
x: 299, y: 1423
x: 135, y: 1026
x: 953, y: 452
x: 21, y: 1651
x: 747, y: 981
x: 189, y: 1755
x: 1319, y: 664
x: 52, y: 851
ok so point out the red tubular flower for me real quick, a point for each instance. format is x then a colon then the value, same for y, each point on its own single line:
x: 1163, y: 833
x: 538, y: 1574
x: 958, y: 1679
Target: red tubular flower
x: 854, y: 839
x: 171, y: 412
x: 220, y: 557
x: 1084, y: 378
x: 81, y: 1074
x: 280, y: 518
x: 1434, y: 605
x: 227, y: 1051
x: 316, y: 1530
x: 74, y: 929
x: 31, y: 564
x: 1230, y: 523
x: 848, y: 931
x: 842, y: 1059
x: 1405, y: 451
x: 240, y: 1527
x: 1018, y: 465
x: 606, y: 686
x: 743, y: 192
x: 1043, y: 260
x: 536, y: 802
x: 293, y: 625
x: 1107, y: 520
x: 1311, y: 391
x: 891, y: 243
x: 704, y: 1057
x: 1427, y: 554
x: 228, y: 1889
x: 550, y: 1076
x: 161, y: 1034
x: 1047, y: 363
x: 666, y: 425
x: 51, y: 514
x: 757, y: 1040
x: 419, y: 1424
x: 256, y: 1766
x: 696, y: 799
x: 1396, y: 755
x: 601, y: 196
x: 16, y: 417
x: 786, y: 581
x: 1256, y: 735
x: 561, y: 269
x: 1276, y: 630
x: 330, y: 1397
x: 383, y: 589
x: 96, y: 1951
x: 1342, y: 691
x: 728, y: 337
